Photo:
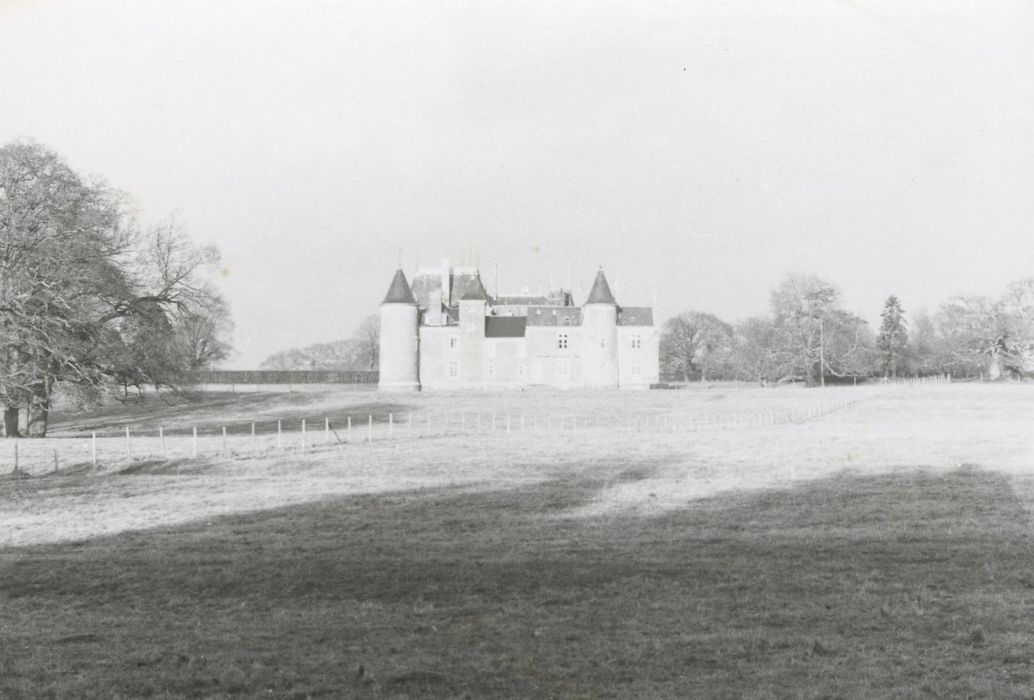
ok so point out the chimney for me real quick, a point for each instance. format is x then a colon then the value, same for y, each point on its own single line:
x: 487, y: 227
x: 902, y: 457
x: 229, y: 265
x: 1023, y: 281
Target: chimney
x: 446, y: 292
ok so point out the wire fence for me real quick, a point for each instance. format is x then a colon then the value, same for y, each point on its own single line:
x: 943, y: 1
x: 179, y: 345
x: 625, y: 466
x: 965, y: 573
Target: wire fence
x: 126, y: 445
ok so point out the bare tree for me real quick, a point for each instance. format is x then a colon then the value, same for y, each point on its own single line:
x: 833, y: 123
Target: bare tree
x: 367, y: 343
x: 755, y: 350
x: 84, y: 294
x: 358, y: 353
x: 694, y: 344
x: 814, y: 337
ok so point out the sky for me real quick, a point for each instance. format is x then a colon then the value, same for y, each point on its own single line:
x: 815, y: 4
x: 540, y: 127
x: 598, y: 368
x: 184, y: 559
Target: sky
x: 698, y: 151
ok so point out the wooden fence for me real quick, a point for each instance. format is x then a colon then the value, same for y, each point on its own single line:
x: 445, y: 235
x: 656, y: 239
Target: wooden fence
x: 261, y: 376
x: 121, y: 447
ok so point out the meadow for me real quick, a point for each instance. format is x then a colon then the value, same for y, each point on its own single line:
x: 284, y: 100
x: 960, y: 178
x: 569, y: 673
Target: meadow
x: 721, y: 541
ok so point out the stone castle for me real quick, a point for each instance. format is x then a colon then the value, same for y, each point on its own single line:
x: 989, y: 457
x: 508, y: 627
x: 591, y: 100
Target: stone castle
x: 445, y: 331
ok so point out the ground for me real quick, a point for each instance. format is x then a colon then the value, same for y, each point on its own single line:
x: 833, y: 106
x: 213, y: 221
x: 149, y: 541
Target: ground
x: 723, y: 541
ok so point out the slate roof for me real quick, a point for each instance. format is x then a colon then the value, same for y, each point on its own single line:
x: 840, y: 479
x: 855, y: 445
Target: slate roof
x: 600, y: 293
x: 459, y: 280
x: 635, y: 316
x: 399, y: 291
x: 518, y: 300
x: 554, y: 316
x: 475, y: 291
x: 504, y: 326
x: 427, y: 287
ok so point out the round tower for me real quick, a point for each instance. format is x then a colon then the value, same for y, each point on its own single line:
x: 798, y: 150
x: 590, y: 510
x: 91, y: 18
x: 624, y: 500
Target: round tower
x: 600, y: 333
x: 399, y: 338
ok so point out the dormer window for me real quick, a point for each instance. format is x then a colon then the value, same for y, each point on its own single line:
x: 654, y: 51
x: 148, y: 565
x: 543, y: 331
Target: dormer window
x: 561, y: 341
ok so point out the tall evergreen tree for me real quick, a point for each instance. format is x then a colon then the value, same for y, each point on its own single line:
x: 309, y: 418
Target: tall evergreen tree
x: 892, y: 341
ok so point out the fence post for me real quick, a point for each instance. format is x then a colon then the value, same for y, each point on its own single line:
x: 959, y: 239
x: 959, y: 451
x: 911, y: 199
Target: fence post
x: 252, y: 433
x: 224, y: 438
x: 279, y: 434
x: 93, y: 448
x: 350, y: 429
x: 129, y: 452
x: 391, y: 425
x: 369, y: 428
x: 55, y: 460
x: 303, y: 435
x: 161, y: 439
x: 193, y: 452
x: 326, y: 429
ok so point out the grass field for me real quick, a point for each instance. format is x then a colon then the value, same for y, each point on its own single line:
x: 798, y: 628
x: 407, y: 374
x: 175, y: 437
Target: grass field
x: 882, y: 549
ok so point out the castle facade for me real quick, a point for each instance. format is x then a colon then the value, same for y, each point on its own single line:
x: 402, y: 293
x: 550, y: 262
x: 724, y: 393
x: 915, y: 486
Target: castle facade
x: 446, y: 331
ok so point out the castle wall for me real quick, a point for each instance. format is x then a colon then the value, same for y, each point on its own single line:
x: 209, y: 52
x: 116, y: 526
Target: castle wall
x: 440, y: 356
x: 399, y: 348
x: 549, y: 363
x: 472, y: 343
x: 505, y: 362
x: 638, y: 356
x: 599, y: 328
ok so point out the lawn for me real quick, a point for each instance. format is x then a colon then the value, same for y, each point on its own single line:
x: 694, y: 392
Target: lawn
x: 883, y: 550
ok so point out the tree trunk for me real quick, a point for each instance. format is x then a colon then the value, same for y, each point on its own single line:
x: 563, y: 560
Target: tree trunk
x: 39, y: 412
x: 11, y: 414
x: 822, y: 355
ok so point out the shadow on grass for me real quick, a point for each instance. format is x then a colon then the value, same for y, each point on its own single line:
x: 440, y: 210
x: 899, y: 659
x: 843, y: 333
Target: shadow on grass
x: 902, y: 585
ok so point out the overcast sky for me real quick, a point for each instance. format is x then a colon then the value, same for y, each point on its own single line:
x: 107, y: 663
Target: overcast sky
x: 699, y: 152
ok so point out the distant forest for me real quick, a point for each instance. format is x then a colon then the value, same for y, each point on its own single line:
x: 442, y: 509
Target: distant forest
x: 358, y: 353
x: 807, y: 336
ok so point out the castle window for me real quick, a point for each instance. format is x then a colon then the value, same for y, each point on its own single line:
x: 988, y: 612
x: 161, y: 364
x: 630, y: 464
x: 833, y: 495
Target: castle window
x: 603, y: 342
x: 637, y: 342
x: 454, y: 369
x: 452, y: 343
x: 491, y: 370
x: 520, y: 370
x: 561, y: 341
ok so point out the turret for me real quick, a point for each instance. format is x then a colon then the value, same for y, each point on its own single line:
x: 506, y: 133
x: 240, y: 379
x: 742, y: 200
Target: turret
x: 600, y: 333
x: 399, y: 338
x: 473, y: 305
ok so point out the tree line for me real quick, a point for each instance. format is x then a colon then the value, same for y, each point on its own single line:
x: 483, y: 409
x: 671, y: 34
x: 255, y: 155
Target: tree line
x: 358, y: 353
x: 807, y: 336
x: 91, y: 301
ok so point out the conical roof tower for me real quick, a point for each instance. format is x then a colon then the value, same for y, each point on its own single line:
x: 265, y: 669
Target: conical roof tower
x: 600, y: 293
x: 399, y: 292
